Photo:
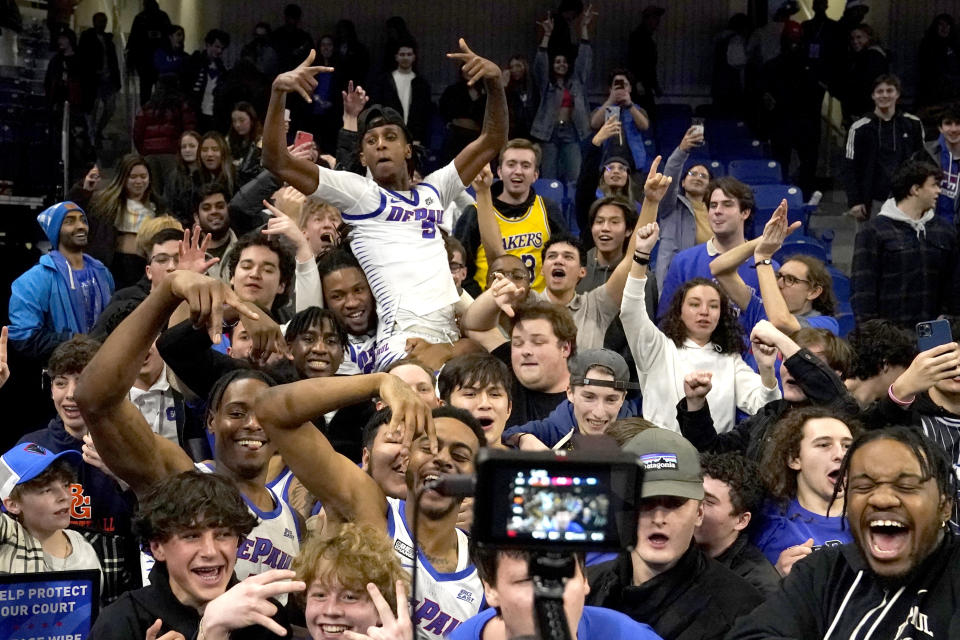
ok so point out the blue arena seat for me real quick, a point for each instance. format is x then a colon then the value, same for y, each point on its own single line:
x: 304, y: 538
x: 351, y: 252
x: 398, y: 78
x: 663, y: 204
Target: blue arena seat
x: 755, y: 171
x: 552, y: 189
x: 800, y: 244
x: 768, y: 197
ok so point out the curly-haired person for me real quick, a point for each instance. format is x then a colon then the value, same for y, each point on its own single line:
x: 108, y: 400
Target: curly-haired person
x: 192, y: 523
x: 801, y: 469
x: 700, y: 333
x: 342, y: 573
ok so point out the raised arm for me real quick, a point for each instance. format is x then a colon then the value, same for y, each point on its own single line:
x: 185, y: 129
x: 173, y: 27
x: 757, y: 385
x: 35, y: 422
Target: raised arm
x: 647, y: 342
x: 299, y: 172
x: 490, y: 237
x: 481, y: 317
x: 653, y: 190
x: 346, y: 492
x: 496, y: 121
x: 724, y: 269
x: 122, y: 436
x: 774, y: 233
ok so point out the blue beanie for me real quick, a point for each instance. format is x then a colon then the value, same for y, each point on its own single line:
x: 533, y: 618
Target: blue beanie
x: 51, y: 219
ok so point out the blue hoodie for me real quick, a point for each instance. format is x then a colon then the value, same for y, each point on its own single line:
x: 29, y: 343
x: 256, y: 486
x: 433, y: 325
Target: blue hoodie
x: 46, y: 304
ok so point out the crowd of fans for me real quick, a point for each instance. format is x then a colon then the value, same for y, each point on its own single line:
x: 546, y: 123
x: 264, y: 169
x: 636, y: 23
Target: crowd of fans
x: 278, y: 321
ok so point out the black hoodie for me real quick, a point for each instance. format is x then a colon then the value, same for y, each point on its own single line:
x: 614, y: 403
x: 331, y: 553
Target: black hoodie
x: 834, y: 594
x: 131, y: 615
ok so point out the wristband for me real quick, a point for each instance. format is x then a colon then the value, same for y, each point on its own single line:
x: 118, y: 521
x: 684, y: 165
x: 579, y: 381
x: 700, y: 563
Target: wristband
x: 898, y: 401
x: 766, y: 261
x: 641, y: 261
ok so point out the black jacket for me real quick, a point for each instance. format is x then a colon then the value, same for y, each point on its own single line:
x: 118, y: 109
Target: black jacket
x: 866, y: 177
x: 131, y: 615
x: 748, y: 562
x: 421, y: 107
x: 820, y: 384
x: 835, y: 589
x: 697, y: 599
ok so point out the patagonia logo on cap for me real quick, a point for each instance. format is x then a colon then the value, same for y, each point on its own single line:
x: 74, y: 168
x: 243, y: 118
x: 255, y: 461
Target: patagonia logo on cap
x: 655, y: 461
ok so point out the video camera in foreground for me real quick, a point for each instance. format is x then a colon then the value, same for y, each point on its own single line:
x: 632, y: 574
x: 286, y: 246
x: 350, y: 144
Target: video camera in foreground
x: 556, y: 500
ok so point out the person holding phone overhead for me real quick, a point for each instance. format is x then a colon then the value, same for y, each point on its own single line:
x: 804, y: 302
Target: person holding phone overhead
x: 927, y: 395
x: 905, y: 261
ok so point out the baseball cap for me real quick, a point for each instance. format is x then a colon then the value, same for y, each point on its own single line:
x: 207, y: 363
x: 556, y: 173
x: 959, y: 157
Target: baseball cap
x: 377, y: 115
x: 671, y: 466
x: 616, y: 158
x: 25, y: 462
x: 585, y: 360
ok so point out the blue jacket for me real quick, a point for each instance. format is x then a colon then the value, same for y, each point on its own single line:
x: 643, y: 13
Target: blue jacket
x: 559, y: 423
x: 41, y: 312
x: 546, y: 118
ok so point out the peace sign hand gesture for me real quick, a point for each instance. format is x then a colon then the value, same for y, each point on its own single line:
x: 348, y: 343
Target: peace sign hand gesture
x: 301, y: 79
x: 392, y: 628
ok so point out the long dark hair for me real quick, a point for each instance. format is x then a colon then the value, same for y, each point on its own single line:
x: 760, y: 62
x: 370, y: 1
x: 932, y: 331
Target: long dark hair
x: 108, y: 203
x: 728, y: 337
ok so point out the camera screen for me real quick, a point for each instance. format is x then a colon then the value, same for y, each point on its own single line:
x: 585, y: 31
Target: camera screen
x: 533, y: 502
x: 558, y: 507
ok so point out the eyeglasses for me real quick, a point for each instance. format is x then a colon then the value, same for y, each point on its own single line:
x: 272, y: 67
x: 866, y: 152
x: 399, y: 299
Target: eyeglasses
x: 165, y: 258
x: 790, y: 281
x: 698, y: 174
x: 615, y: 166
x: 456, y: 266
x: 517, y: 275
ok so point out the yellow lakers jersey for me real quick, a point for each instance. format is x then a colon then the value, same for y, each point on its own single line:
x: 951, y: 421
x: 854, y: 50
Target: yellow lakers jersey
x: 523, y: 237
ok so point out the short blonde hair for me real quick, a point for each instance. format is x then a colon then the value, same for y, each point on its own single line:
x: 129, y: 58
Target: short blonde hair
x: 152, y: 227
x: 313, y: 207
x: 357, y: 555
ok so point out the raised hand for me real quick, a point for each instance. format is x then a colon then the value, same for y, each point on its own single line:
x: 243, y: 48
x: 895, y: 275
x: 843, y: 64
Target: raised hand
x: 647, y: 237
x: 267, y: 338
x: 4, y: 367
x: 611, y: 127
x: 247, y: 603
x: 692, y: 138
x: 301, y: 79
x: 280, y: 224
x: 765, y: 333
x: 205, y: 297
x: 410, y: 413
x: 696, y: 386
x: 193, y: 253
x: 391, y: 627
x: 505, y: 293
x: 774, y: 233
x: 587, y: 18
x: 289, y: 200
x: 547, y: 26
x: 354, y: 100
x: 475, y: 67
x: 928, y: 368
x: 656, y: 185
x: 90, y: 455
x: 484, y: 179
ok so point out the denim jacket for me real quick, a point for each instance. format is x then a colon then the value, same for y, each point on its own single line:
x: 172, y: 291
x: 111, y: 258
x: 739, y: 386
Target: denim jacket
x: 552, y: 95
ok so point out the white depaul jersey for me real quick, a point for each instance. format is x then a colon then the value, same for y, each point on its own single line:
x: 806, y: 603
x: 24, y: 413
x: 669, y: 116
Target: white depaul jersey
x: 359, y: 356
x: 396, y: 238
x: 273, y: 543
x: 444, y: 600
